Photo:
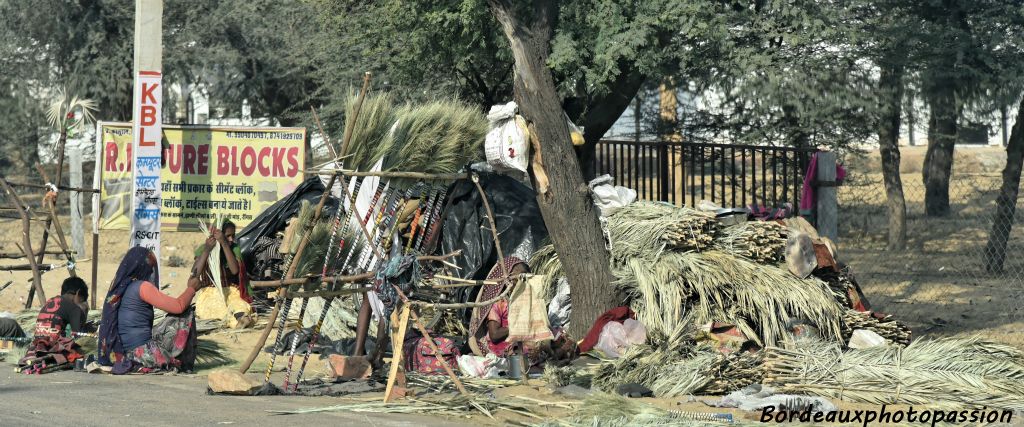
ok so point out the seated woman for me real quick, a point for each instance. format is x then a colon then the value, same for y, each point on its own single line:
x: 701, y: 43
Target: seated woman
x: 128, y: 341
x: 233, y: 306
x: 490, y: 324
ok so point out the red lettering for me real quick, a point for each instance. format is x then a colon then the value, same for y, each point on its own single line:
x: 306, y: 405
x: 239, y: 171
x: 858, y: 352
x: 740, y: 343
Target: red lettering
x: 190, y: 159
x: 223, y: 160
x: 173, y: 155
x: 148, y: 114
x: 293, y: 160
x: 142, y: 139
x: 278, y: 161
x: 110, y: 164
x: 130, y: 160
x: 248, y: 161
x: 204, y: 159
x: 264, y: 155
x: 147, y: 92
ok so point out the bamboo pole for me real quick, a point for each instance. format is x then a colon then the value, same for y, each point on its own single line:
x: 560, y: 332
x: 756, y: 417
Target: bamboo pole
x: 37, y: 280
x: 430, y: 343
x: 398, y: 174
x: 302, y: 244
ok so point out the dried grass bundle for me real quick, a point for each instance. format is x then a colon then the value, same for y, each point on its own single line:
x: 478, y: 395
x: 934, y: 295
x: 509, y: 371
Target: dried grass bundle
x: 888, y: 327
x: 646, y: 229
x: 545, y: 262
x: 370, y: 131
x: 947, y: 373
x: 562, y: 376
x: 642, y: 364
x: 438, y: 137
x: 714, y: 286
x: 758, y: 241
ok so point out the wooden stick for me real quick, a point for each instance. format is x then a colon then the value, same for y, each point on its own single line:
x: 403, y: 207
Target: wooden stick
x: 37, y: 279
x: 303, y: 280
x: 281, y: 293
x: 410, y: 175
x: 329, y: 294
x: 396, y: 348
x: 263, y: 337
x: 327, y: 139
x: 431, y: 344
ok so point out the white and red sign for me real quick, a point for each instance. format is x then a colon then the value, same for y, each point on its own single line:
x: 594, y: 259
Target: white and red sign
x: 146, y: 147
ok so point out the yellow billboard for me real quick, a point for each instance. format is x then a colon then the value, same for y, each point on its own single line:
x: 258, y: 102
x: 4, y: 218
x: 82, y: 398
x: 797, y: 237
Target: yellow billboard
x: 205, y: 171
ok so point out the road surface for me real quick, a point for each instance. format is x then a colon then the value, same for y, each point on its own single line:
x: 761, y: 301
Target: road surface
x: 80, y: 399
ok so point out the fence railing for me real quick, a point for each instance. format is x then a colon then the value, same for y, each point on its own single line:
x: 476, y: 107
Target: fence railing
x: 685, y: 173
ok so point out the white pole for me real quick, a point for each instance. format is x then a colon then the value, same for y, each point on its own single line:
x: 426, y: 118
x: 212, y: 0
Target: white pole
x: 146, y: 126
x: 77, y: 236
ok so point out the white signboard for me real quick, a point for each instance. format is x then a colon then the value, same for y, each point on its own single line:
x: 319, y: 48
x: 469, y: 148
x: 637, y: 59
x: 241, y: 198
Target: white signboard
x: 146, y: 149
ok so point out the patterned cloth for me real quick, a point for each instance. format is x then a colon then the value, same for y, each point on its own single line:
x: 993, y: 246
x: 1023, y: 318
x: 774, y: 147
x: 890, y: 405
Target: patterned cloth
x: 527, y: 312
x: 489, y: 292
x: 172, y: 348
x: 138, y: 264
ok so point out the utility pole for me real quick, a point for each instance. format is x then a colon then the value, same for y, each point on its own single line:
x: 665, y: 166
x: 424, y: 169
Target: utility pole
x: 146, y: 125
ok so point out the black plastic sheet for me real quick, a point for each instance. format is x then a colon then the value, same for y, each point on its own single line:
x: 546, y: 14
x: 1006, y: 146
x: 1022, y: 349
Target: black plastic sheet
x: 275, y: 218
x: 516, y: 216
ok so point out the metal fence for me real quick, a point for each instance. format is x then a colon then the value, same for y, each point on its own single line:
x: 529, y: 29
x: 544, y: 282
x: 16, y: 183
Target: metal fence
x: 939, y: 283
x: 686, y: 173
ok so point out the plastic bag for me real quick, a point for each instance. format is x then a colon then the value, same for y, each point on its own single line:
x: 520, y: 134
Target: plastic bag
x: 507, y: 145
x: 610, y: 197
x: 575, y: 132
x: 617, y: 337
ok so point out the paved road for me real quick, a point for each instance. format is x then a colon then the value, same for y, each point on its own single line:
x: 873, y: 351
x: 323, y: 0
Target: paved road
x: 79, y: 399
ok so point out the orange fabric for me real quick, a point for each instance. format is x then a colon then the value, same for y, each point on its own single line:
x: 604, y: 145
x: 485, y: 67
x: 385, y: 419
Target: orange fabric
x: 152, y: 296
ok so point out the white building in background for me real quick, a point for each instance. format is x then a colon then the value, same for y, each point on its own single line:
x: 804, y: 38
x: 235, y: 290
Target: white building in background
x: 990, y: 130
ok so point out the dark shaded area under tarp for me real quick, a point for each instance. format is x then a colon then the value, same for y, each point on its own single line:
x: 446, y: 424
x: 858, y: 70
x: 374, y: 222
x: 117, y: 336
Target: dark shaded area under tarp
x: 275, y: 218
x: 517, y: 218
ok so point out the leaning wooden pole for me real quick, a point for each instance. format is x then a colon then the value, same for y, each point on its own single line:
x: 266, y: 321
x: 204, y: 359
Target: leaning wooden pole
x: 37, y: 279
x: 282, y: 293
x: 61, y: 142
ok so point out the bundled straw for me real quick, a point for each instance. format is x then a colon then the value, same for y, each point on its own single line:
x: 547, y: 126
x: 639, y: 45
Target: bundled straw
x: 438, y: 137
x: 887, y: 327
x: 312, y: 261
x: 370, y: 131
x: 545, y: 262
x: 645, y: 229
x: 948, y: 373
x: 562, y: 376
x: 759, y: 299
x: 213, y: 261
x: 758, y: 241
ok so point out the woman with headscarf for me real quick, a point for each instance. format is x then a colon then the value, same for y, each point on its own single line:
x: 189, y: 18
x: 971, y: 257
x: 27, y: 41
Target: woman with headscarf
x: 128, y: 341
x: 490, y: 324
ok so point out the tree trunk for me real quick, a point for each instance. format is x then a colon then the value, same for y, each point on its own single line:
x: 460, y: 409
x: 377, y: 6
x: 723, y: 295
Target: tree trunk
x: 938, y: 160
x: 890, y: 85
x: 564, y: 199
x: 1006, y: 204
x: 601, y: 112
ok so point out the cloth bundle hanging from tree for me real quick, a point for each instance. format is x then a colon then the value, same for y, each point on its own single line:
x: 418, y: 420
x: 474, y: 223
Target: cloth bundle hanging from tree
x: 946, y: 373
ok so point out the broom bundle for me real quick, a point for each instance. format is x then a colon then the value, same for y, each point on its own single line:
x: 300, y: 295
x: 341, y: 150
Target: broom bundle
x: 886, y: 327
x: 312, y: 260
x: 709, y: 372
x: 437, y: 137
x: 369, y: 140
x: 759, y: 241
x: 947, y: 373
x: 645, y: 229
